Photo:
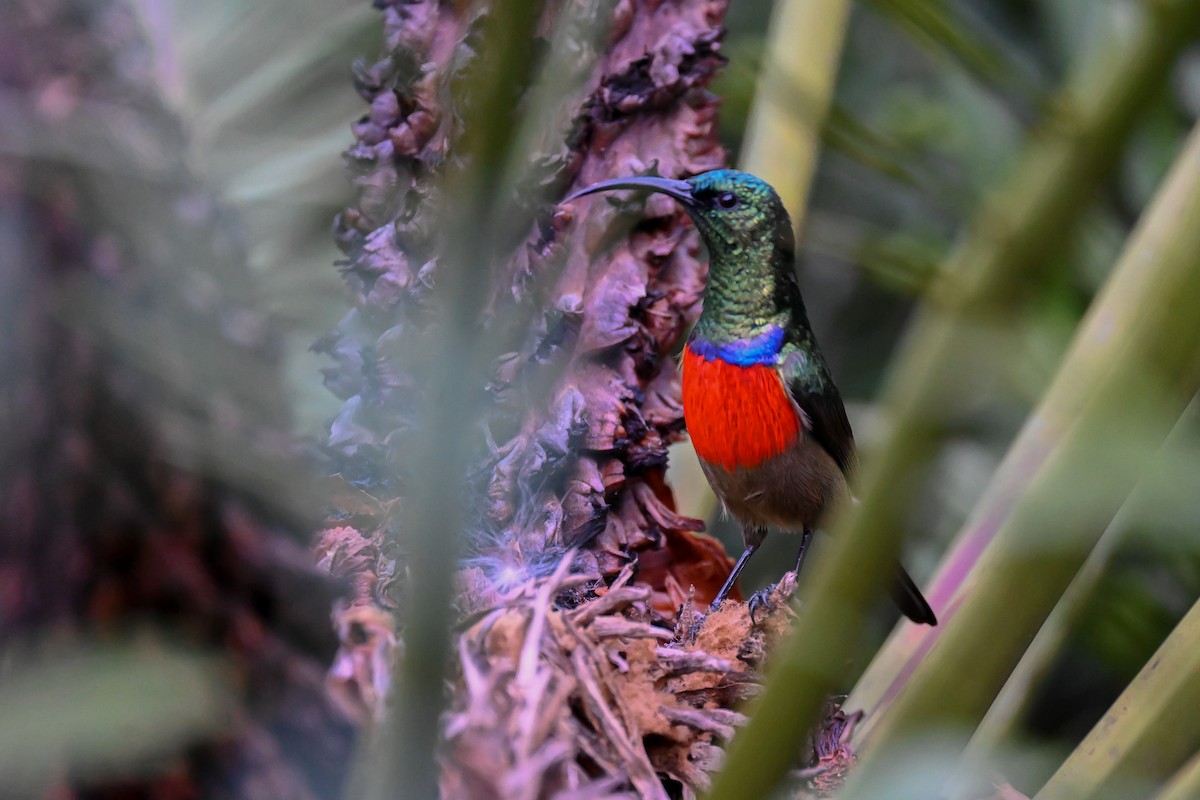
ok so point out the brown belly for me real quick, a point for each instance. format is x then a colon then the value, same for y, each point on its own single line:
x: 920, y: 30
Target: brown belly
x: 791, y: 490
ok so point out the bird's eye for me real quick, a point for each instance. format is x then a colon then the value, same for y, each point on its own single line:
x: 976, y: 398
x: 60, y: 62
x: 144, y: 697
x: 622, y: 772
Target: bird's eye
x: 727, y: 200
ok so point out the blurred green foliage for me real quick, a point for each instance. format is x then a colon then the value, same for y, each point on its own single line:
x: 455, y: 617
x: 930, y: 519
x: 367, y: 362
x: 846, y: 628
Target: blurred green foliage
x: 264, y: 94
x: 933, y: 102
x: 105, y: 710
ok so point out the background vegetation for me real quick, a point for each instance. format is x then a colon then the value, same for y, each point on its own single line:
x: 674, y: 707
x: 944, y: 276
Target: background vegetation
x: 999, y: 257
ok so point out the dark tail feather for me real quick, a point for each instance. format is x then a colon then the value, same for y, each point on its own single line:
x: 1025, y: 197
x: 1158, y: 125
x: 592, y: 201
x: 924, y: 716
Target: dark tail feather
x: 910, y: 600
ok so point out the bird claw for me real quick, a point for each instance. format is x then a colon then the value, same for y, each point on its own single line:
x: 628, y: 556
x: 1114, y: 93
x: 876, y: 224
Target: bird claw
x: 760, y: 600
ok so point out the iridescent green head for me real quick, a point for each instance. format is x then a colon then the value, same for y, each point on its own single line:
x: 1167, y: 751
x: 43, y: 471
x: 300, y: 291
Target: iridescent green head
x: 751, y: 279
x: 734, y: 211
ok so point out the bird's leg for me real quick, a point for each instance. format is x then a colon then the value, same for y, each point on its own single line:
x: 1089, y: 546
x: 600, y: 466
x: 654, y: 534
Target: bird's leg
x: 805, y: 538
x: 757, y: 600
x: 753, y: 540
x: 752, y: 537
x: 762, y: 596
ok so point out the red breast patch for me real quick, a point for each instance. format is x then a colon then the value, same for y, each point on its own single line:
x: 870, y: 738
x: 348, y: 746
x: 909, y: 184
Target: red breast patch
x: 736, y: 416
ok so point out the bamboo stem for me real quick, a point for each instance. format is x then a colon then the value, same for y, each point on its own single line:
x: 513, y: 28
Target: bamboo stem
x: 795, y: 92
x: 1149, y: 731
x: 1070, y: 390
x: 404, y: 760
x: 974, y: 775
x: 1137, y: 362
x: 1185, y: 785
x: 1002, y: 718
x: 1074, y: 151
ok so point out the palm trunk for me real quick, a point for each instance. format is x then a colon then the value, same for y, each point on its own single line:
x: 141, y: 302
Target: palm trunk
x: 571, y: 670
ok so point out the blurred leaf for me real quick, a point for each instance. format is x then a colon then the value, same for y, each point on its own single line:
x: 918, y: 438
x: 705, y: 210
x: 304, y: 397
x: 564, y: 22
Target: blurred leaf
x: 1185, y: 785
x: 988, y: 274
x: 261, y: 88
x: 1124, y: 623
x: 945, y: 26
x: 1129, y: 374
x: 105, y: 710
x: 1149, y: 731
x: 1082, y: 30
x: 886, y: 148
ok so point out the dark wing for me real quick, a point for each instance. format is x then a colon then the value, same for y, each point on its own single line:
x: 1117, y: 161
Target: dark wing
x: 807, y: 378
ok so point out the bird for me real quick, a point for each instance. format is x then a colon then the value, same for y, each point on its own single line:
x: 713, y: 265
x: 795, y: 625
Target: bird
x: 759, y: 403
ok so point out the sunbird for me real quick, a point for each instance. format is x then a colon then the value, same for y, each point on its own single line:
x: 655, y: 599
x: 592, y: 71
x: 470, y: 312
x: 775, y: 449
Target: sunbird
x: 759, y: 403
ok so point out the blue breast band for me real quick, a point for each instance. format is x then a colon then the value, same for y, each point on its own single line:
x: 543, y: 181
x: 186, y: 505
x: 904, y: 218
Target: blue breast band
x: 761, y: 349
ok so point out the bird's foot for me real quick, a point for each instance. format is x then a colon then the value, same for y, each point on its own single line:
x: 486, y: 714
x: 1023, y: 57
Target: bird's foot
x: 760, y: 601
x: 764, y: 600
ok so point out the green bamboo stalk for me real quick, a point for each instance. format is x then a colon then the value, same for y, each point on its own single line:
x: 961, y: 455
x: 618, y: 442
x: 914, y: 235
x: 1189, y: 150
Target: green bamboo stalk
x: 1185, y: 785
x: 1151, y: 729
x: 1074, y: 151
x: 783, y: 136
x: 1141, y: 339
x: 998, y: 725
x: 974, y: 775
x: 402, y: 761
x: 792, y: 101
x: 1067, y: 395
x: 1065, y: 398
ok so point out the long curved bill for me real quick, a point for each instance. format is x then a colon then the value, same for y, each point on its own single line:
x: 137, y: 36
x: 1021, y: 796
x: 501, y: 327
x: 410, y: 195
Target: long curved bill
x: 680, y: 190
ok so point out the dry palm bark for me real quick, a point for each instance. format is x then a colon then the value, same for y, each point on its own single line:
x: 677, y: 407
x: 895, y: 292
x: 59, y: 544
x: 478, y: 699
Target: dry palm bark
x: 573, y: 678
x: 140, y: 393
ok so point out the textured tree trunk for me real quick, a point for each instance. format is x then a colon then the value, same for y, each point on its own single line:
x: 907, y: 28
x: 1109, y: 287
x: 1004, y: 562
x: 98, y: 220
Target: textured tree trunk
x: 146, y: 477
x: 574, y: 669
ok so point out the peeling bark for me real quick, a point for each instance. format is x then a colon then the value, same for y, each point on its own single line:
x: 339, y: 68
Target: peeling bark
x: 582, y: 464
x: 576, y: 673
